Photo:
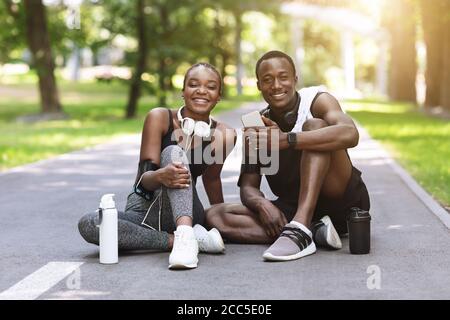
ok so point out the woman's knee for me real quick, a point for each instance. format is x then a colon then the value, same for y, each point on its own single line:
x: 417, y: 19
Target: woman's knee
x: 314, y: 124
x: 87, y: 226
x: 173, y: 153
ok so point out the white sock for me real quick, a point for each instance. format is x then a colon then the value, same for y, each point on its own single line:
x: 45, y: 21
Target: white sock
x: 302, y: 227
x: 183, y: 227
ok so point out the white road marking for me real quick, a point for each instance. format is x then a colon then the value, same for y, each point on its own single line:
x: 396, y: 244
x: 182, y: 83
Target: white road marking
x: 40, y: 281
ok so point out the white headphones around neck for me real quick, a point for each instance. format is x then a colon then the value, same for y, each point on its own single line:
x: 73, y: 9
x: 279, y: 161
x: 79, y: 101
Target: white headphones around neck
x: 190, y: 126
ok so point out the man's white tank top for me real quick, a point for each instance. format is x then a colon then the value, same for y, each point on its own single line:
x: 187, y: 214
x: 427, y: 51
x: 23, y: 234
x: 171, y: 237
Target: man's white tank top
x: 307, y: 96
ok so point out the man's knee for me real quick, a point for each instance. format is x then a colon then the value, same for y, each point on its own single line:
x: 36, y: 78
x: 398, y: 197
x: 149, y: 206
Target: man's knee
x: 173, y: 153
x: 314, y: 124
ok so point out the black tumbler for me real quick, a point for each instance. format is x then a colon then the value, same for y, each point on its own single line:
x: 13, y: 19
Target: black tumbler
x: 358, y: 223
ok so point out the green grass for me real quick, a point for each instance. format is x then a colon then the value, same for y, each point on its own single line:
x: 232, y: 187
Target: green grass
x: 95, y: 115
x: 420, y: 143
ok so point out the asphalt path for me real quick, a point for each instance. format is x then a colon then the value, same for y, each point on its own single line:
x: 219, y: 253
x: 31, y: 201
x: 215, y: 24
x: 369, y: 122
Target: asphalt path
x: 44, y: 257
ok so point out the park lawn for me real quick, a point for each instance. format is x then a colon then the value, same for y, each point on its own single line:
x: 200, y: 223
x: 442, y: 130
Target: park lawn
x: 95, y: 115
x: 421, y: 144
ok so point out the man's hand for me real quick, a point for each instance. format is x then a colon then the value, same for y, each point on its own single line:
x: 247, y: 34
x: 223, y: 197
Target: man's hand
x: 267, y: 138
x: 174, y: 176
x: 272, y: 219
x: 268, y: 122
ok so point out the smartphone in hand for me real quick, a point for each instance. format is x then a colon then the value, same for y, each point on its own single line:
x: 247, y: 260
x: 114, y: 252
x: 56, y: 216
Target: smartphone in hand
x: 252, y: 119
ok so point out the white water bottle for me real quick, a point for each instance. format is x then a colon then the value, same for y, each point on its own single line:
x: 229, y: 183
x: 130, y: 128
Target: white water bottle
x: 108, y: 230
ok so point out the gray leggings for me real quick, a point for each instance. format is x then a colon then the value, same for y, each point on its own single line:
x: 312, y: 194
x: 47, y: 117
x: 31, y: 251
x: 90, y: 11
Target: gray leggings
x: 145, y: 225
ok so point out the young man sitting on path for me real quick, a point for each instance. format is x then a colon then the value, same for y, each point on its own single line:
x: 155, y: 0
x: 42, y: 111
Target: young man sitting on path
x: 315, y: 183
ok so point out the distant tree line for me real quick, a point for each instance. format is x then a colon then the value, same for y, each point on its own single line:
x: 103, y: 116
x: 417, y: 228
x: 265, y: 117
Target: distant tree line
x: 402, y: 18
x: 171, y: 32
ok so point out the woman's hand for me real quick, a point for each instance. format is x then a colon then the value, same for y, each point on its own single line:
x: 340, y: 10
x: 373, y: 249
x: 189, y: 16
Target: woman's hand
x: 175, y: 176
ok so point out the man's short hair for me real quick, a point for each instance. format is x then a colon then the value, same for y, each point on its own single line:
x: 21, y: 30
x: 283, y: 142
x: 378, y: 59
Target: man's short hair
x: 274, y: 54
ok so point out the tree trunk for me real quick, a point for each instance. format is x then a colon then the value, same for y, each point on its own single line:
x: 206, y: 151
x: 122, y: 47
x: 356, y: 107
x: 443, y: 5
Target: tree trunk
x: 403, y: 68
x: 135, y: 87
x: 239, y: 66
x: 162, y: 72
x: 39, y: 44
x: 217, y: 38
x: 445, y: 80
x: 219, y: 51
x: 432, y: 31
x: 223, y: 72
x: 162, y: 83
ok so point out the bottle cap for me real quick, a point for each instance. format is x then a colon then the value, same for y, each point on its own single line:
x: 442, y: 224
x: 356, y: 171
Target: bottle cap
x: 358, y: 215
x: 107, y: 201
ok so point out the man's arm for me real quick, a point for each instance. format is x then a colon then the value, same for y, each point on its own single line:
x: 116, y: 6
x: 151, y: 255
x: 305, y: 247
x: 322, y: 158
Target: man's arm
x: 271, y: 218
x: 341, y: 132
x: 251, y: 195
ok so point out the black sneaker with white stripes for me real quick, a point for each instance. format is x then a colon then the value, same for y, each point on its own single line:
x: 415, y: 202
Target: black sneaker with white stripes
x: 293, y: 243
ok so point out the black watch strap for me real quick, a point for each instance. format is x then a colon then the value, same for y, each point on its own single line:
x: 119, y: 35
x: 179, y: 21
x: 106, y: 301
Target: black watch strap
x: 292, y: 139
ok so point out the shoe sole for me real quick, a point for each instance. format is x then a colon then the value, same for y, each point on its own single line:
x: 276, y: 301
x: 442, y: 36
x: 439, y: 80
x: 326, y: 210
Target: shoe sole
x: 309, y: 250
x: 333, y: 239
x: 178, y: 266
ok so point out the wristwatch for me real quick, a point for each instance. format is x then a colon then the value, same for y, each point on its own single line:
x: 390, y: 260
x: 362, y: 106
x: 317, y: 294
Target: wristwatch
x: 292, y: 139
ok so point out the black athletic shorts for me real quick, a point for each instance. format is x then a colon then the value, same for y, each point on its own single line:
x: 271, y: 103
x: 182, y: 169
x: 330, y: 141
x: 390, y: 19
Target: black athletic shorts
x: 355, y: 195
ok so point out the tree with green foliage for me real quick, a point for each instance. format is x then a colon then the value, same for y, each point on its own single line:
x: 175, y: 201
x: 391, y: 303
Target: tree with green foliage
x: 30, y: 24
x: 12, y: 31
x: 238, y: 8
x: 39, y: 43
x: 322, y: 51
x: 141, y: 63
x: 221, y: 50
x: 175, y: 33
x: 32, y: 13
x: 13, y: 36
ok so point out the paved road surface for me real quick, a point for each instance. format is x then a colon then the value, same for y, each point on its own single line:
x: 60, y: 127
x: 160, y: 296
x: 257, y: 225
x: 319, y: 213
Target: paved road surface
x: 43, y: 256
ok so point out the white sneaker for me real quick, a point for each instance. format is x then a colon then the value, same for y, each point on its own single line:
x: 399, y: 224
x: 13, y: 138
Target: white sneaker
x: 209, y: 241
x: 325, y: 235
x: 185, y: 249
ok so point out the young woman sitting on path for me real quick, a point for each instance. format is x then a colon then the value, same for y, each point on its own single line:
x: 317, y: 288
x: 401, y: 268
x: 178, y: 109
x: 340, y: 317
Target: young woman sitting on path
x: 177, y: 147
